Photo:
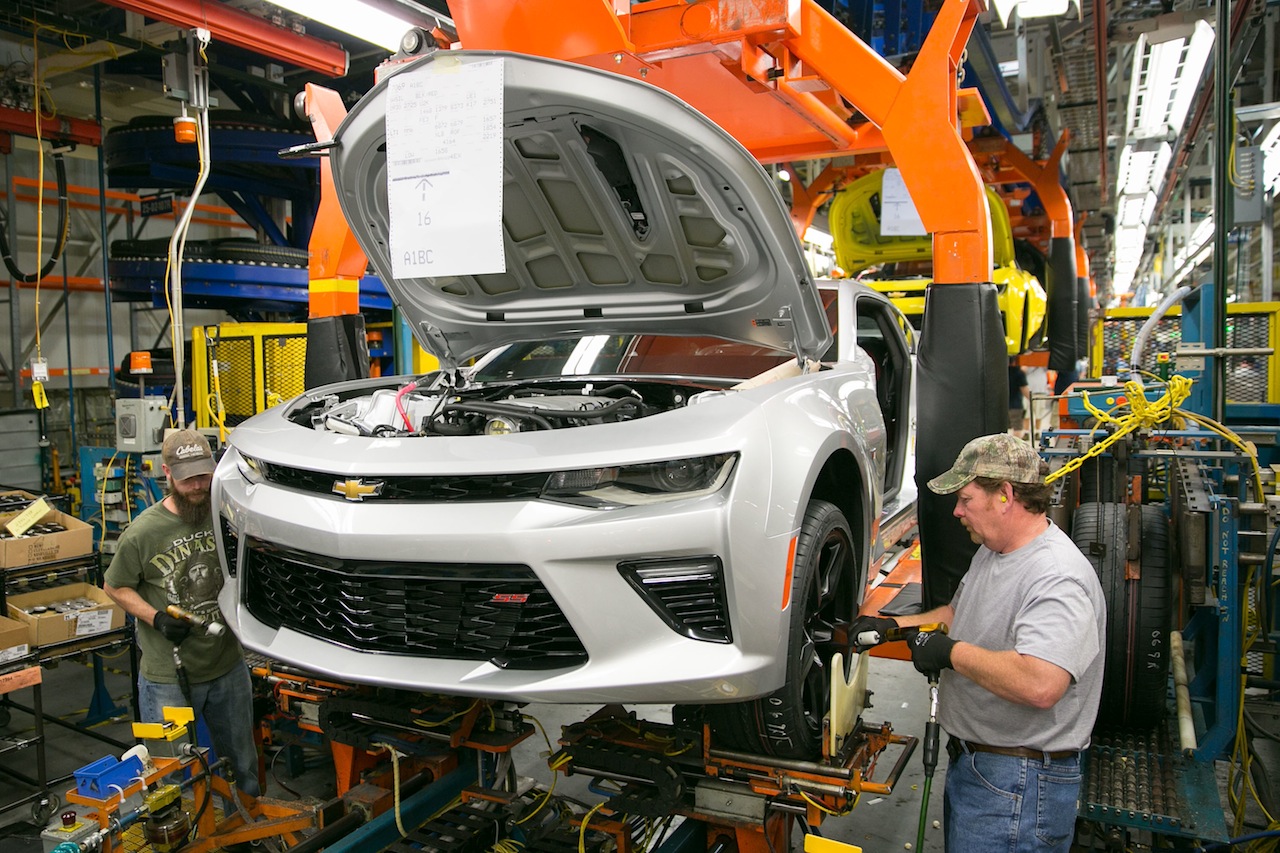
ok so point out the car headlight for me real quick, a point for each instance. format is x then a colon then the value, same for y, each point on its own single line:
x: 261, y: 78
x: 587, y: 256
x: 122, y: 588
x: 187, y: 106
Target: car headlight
x: 253, y: 470
x: 637, y: 485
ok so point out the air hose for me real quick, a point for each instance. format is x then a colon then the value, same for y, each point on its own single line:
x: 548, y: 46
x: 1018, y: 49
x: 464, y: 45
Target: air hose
x: 932, y: 737
x: 64, y: 228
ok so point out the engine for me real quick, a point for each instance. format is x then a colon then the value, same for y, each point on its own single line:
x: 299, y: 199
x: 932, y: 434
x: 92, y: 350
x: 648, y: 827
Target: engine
x: 487, y: 410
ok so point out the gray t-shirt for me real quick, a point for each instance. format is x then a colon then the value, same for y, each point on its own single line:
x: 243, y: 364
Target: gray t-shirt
x: 1043, y: 600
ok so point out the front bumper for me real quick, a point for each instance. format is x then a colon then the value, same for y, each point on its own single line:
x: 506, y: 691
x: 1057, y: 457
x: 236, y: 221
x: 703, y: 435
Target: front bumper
x: 520, y: 600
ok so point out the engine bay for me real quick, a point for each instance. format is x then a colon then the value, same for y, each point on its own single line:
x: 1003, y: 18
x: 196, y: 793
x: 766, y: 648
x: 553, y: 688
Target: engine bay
x: 432, y: 406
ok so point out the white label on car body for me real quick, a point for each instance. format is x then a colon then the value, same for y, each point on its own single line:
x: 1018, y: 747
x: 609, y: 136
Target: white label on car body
x: 898, y: 214
x: 444, y: 169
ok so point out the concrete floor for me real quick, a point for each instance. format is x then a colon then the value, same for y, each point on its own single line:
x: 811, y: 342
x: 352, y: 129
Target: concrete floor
x: 877, y: 823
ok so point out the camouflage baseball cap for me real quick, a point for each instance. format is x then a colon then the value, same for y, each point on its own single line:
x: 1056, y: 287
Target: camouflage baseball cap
x: 1000, y: 457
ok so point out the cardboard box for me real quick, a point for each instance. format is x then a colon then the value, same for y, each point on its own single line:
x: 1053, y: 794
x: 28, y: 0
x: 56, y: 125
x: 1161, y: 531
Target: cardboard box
x: 13, y: 639
x: 53, y: 627
x: 75, y: 541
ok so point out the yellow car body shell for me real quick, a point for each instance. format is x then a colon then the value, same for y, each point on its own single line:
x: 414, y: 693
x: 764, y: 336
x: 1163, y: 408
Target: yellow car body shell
x: 859, y: 246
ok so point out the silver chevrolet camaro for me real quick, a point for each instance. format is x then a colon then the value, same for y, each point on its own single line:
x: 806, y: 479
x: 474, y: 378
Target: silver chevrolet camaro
x: 647, y: 470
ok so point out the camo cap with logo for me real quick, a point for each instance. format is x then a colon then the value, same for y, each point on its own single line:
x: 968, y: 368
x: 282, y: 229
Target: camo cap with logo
x: 187, y: 454
x: 999, y: 457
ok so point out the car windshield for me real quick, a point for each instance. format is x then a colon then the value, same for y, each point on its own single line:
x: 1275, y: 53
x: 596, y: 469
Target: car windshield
x: 628, y: 354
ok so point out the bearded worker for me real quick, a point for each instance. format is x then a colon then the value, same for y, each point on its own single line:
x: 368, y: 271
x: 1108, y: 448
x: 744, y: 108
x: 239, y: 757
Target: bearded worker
x: 167, y: 556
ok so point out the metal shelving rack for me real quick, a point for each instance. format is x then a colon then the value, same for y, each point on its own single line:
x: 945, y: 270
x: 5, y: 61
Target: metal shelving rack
x: 45, y: 800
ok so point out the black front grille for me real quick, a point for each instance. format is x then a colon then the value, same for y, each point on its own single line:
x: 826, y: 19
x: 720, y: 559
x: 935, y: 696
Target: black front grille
x: 499, y: 613
x: 688, y: 593
x: 493, y: 487
x: 230, y: 540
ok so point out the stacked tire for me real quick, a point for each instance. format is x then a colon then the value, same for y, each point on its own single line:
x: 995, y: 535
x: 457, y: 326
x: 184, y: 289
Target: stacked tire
x: 1139, y: 609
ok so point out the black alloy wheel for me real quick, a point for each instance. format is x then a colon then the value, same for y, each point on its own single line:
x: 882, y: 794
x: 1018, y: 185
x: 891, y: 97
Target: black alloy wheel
x: 788, y: 722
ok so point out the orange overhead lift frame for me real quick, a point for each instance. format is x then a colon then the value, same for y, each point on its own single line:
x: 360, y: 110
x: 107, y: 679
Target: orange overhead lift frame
x: 784, y: 77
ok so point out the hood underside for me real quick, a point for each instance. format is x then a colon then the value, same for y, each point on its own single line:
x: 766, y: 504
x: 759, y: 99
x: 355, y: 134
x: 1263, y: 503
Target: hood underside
x: 623, y: 211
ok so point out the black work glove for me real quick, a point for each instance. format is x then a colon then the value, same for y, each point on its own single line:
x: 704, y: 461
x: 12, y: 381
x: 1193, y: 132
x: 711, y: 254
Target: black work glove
x: 174, y: 630
x: 931, y: 652
x: 882, y: 625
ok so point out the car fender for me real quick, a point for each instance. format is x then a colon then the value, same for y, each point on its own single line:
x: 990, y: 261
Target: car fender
x: 811, y: 444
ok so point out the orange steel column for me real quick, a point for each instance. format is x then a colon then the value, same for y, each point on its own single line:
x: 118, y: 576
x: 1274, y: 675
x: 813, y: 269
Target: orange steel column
x: 337, y: 261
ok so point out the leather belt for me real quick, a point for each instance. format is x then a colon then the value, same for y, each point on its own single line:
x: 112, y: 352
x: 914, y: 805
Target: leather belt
x: 1017, y: 751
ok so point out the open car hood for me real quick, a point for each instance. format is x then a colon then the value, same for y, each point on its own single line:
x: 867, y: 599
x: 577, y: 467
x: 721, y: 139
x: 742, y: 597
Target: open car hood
x: 624, y: 211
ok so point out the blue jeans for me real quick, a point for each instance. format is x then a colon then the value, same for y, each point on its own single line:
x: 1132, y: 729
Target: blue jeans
x: 1005, y: 804
x: 226, y: 706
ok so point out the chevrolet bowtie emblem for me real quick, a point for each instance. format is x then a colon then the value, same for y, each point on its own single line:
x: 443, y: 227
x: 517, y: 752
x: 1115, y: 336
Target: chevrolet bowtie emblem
x: 357, y: 490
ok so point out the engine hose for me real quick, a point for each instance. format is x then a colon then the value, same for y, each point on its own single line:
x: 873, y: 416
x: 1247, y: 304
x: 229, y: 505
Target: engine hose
x: 539, y: 413
x: 470, y: 408
x: 64, y: 228
x: 608, y: 408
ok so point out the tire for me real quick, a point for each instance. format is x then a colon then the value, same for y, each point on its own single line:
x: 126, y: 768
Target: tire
x: 1098, y: 480
x: 226, y: 250
x: 1139, y: 612
x: 824, y: 592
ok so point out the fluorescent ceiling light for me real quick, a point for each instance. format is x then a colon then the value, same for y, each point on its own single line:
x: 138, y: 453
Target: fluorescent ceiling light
x: 1034, y: 9
x: 1134, y: 211
x: 1142, y: 168
x: 1130, y: 240
x: 1009, y: 68
x: 1165, y: 79
x: 363, y: 20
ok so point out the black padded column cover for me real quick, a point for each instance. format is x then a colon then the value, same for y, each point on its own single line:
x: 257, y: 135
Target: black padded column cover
x: 337, y: 350
x: 962, y: 393
x: 1063, y: 318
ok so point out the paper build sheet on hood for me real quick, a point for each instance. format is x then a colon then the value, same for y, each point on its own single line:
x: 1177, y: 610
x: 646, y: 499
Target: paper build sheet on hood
x: 444, y: 170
